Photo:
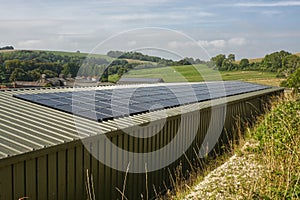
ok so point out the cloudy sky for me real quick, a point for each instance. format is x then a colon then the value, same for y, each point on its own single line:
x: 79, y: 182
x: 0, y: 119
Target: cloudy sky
x: 246, y: 28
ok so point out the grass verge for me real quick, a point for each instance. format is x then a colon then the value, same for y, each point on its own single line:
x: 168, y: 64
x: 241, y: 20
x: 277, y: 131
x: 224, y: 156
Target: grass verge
x: 276, y: 155
x: 279, y: 152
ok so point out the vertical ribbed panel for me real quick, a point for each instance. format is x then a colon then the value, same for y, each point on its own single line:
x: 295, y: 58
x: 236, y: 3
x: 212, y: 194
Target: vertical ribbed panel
x: 61, y: 173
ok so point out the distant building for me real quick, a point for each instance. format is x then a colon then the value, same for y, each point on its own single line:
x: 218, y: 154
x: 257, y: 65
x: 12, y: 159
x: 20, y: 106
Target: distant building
x: 21, y: 84
x: 56, y: 81
x: 124, y: 80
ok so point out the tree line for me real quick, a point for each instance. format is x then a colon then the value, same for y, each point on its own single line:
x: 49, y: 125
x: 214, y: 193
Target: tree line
x: 285, y: 64
x: 160, y: 61
x: 282, y: 62
x: 27, y: 65
x: 7, y: 48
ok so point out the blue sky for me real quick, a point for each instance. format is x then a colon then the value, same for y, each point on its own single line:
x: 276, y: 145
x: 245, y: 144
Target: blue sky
x: 246, y: 28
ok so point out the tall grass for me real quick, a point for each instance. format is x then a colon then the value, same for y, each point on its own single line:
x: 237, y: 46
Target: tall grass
x: 279, y: 152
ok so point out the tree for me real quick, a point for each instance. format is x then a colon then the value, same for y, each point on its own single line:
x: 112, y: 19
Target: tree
x: 70, y: 68
x: 293, y: 81
x: 231, y: 57
x: 273, y: 61
x: 18, y: 74
x: 198, y: 61
x: 104, y: 77
x: 244, y: 63
x: 10, y: 65
x: 50, y: 74
x: 290, y: 64
x: 115, y: 54
x: 35, y: 74
x: 228, y: 65
x: 7, y: 48
x: 186, y: 61
x: 2, y: 74
x: 218, y: 60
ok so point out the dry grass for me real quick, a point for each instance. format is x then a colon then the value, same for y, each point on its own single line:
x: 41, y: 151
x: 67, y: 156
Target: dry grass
x: 251, y: 60
x: 276, y: 161
x: 8, y: 50
x: 269, y: 81
x: 255, y: 60
x: 279, y: 152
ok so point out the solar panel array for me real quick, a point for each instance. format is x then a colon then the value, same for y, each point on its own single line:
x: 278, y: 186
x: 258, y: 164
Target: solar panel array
x: 104, y: 104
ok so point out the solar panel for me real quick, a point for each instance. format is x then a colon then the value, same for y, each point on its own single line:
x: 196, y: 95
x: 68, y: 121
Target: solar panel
x: 106, y: 104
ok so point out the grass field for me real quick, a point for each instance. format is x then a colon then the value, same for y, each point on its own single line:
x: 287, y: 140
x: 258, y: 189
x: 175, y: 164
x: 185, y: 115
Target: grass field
x: 8, y: 50
x: 189, y: 73
x: 175, y: 73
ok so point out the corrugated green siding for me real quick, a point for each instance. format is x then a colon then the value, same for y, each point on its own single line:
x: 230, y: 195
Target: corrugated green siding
x: 59, y: 172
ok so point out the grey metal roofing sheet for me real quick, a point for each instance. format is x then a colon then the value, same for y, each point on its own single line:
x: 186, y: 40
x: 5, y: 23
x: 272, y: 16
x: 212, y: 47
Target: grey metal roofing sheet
x: 27, y: 126
x: 101, y: 105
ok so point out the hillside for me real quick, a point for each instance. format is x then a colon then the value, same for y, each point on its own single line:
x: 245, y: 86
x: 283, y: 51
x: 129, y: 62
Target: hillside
x: 27, y: 65
x: 254, y: 60
x: 194, y: 73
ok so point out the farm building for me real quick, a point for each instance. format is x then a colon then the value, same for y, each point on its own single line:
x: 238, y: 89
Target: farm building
x: 53, y: 140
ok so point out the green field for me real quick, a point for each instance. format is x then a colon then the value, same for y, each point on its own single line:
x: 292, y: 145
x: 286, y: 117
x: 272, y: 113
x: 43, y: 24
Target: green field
x: 189, y: 73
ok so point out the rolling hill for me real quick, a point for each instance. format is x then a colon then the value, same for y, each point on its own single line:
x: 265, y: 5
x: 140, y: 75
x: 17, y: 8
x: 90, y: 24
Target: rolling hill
x: 195, y: 73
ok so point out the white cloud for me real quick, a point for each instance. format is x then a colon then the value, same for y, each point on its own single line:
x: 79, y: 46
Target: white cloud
x: 221, y: 43
x: 269, y: 4
x: 218, y: 43
x: 212, y: 47
x: 239, y: 41
x: 205, y: 43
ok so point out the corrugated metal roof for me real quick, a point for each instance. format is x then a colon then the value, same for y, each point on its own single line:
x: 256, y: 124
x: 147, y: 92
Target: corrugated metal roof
x: 26, y: 126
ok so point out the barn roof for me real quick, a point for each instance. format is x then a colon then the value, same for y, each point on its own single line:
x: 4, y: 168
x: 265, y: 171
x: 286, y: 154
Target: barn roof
x: 27, y: 126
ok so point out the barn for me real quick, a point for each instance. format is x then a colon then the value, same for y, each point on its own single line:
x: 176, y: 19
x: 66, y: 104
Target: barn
x: 65, y: 143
